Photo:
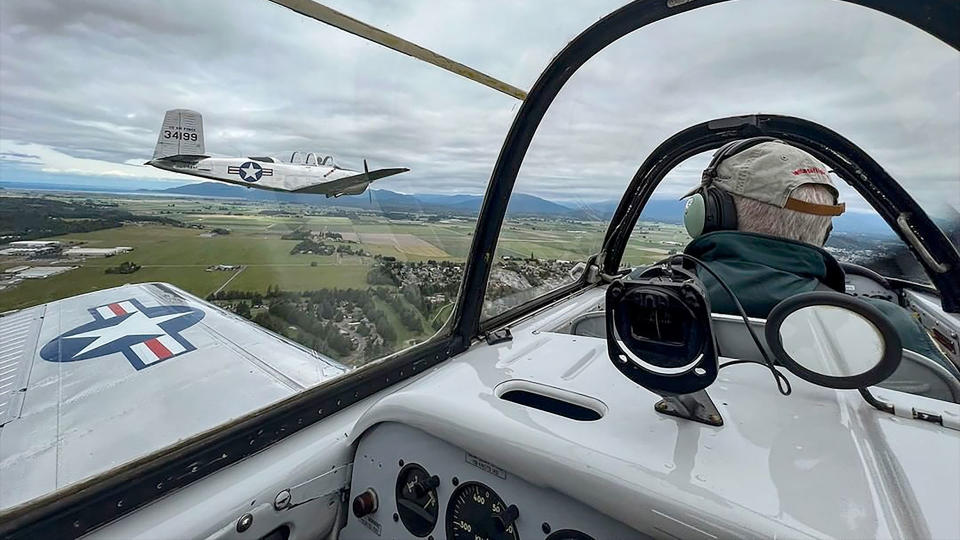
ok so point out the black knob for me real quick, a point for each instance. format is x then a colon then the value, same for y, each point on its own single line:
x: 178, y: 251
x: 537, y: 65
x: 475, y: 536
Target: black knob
x: 422, y: 487
x: 365, y: 503
x: 506, y: 518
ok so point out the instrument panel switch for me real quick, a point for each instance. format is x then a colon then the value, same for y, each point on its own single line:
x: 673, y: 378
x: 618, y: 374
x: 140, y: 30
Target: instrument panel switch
x: 365, y: 503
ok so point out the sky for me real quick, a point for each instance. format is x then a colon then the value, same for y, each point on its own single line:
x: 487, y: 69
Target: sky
x: 84, y: 84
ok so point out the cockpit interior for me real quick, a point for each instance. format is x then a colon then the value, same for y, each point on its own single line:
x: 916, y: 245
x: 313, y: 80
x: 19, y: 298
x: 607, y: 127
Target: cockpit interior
x: 617, y: 405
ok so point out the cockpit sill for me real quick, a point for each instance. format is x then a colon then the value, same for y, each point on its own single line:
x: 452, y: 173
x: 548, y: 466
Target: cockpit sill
x: 559, y: 315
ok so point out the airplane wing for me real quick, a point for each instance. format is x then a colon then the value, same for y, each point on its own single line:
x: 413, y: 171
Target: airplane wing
x: 94, y: 381
x: 347, y: 184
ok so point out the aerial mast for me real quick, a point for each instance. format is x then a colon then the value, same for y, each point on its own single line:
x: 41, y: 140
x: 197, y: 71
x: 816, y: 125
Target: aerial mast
x: 334, y: 18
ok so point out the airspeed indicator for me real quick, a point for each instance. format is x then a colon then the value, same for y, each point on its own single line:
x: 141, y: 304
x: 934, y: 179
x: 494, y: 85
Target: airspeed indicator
x: 476, y: 511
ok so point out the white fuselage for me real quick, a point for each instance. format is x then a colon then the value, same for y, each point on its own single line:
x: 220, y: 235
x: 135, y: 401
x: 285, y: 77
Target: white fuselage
x: 265, y: 175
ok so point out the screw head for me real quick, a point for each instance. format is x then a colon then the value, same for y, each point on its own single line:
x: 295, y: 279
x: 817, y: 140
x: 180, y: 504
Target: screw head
x: 616, y: 290
x: 282, y: 500
x: 244, y: 522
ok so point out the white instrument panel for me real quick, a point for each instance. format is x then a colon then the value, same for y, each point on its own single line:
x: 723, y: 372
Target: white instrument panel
x: 542, y: 512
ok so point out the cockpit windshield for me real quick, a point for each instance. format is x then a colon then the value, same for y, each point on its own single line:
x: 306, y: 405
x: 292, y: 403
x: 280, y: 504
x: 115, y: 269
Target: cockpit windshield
x: 312, y: 159
x: 187, y: 299
x: 890, y: 88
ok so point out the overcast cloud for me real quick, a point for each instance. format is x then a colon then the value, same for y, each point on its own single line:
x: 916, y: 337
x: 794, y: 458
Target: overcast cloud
x: 83, y: 87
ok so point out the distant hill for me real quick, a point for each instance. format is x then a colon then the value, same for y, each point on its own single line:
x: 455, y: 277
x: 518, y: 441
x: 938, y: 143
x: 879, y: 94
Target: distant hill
x: 381, y: 199
x: 520, y: 203
x: 46, y: 186
x: 667, y: 210
x: 657, y: 209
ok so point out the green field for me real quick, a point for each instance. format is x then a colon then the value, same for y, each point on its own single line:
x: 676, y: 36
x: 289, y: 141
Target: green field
x: 181, y: 255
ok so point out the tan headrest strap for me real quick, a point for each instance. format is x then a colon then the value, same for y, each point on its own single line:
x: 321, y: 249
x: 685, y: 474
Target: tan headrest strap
x: 813, y: 208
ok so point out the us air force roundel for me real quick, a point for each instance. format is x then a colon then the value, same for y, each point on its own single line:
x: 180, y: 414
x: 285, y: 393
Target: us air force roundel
x: 250, y: 171
x: 144, y: 335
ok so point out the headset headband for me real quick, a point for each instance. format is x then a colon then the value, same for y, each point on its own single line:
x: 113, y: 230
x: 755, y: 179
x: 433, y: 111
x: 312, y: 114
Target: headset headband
x: 730, y: 149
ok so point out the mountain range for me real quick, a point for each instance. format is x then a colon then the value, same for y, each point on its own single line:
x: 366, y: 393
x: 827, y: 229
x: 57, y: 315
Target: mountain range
x: 665, y: 210
x: 521, y: 204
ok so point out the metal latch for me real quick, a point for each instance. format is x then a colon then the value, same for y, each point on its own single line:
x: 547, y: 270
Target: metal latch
x: 327, y: 483
x: 499, y: 336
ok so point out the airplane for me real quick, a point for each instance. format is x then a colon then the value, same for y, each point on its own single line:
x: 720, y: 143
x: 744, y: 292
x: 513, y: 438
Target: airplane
x: 180, y: 149
x: 549, y: 421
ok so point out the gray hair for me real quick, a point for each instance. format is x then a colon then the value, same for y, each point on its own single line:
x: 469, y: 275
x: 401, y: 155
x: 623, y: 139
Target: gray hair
x: 760, y: 217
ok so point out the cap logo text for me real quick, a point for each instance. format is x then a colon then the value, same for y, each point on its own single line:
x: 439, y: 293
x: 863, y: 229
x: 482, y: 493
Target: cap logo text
x: 809, y: 170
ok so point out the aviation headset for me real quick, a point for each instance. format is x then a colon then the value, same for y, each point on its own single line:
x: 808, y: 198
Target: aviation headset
x: 713, y: 209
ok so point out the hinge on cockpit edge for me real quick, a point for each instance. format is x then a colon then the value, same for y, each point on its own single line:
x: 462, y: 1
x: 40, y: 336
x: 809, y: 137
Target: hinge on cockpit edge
x: 499, y: 336
x: 947, y: 416
x: 328, y: 483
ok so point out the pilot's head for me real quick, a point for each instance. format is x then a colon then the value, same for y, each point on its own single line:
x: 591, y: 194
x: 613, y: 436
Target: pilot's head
x: 764, y: 185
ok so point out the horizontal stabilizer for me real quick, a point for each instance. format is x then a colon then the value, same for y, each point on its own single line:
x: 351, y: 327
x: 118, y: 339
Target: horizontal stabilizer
x: 173, y: 160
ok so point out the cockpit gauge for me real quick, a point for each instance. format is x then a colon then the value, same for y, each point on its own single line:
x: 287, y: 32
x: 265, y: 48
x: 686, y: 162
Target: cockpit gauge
x: 476, y: 511
x: 417, y: 503
x: 569, y: 534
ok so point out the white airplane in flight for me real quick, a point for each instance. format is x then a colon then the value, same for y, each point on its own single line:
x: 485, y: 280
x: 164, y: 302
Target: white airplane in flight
x: 180, y: 149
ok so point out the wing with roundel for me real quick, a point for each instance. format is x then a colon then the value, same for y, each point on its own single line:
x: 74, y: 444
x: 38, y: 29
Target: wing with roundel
x: 91, y: 382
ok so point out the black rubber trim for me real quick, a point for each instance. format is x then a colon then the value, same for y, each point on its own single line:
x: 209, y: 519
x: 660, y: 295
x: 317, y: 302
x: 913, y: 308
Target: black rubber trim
x: 892, y: 354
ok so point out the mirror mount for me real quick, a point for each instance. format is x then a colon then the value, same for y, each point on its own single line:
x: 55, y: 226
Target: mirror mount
x: 696, y: 406
x: 659, y: 335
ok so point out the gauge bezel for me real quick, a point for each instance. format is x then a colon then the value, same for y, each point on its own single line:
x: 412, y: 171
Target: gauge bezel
x: 398, y: 491
x: 569, y: 534
x: 448, y: 518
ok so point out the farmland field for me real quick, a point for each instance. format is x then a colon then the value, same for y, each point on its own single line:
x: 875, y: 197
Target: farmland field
x: 251, y: 237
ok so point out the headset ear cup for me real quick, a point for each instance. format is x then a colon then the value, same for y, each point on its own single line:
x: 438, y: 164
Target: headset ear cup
x: 693, y: 215
x: 719, y: 211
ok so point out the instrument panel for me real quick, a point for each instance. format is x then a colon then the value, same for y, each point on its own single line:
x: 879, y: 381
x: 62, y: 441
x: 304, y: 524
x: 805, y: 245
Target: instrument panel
x: 408, y: 484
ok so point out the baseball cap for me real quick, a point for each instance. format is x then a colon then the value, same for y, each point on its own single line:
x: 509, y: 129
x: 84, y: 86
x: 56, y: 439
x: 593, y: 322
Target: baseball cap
x: 769, y: 172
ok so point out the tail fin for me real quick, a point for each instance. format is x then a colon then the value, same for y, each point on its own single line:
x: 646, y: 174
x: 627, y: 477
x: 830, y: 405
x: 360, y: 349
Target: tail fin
x: 180, y: 135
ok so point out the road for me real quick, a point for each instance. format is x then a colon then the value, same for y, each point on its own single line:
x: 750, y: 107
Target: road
x: 227, y: 282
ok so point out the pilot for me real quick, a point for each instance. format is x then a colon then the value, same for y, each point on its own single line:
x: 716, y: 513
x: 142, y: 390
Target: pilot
x: 759, y: 219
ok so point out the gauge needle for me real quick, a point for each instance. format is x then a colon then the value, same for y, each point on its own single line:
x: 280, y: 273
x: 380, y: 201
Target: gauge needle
x: 421, y: 512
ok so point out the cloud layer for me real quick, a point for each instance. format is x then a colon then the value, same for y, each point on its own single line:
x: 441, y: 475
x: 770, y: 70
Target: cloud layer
x: 83, y: 87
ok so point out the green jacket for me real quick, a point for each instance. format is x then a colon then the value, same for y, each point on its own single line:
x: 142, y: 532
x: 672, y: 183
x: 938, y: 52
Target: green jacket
x: 763, y: 270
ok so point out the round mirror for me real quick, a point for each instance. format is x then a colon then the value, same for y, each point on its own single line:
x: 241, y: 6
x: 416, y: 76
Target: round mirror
x: 833, y: 340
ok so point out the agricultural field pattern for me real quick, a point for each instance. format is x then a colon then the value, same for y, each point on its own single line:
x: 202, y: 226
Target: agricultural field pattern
x: 350, y: 283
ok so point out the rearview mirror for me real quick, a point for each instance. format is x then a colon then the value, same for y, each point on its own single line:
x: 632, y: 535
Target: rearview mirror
x: 833, y: 340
